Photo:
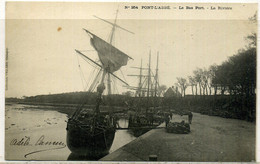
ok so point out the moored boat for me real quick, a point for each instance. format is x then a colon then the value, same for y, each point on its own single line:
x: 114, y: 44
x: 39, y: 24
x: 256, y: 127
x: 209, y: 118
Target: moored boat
x: 91, y: 132
x: 143, y: 118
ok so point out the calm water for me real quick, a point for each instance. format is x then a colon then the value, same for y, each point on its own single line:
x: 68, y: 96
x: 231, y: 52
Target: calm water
x: 29, y: 130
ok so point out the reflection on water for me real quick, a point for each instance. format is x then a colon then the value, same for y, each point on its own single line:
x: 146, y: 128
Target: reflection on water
x: 36, y: 121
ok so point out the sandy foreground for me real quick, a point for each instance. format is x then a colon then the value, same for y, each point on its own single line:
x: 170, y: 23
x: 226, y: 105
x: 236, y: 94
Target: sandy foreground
x: 33, y: 134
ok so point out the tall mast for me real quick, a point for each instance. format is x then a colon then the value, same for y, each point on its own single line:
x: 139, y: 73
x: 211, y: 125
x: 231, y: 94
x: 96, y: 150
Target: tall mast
x: 113, y: 29
x: 100, y: 90
x: 109, y: 84
x: 156, y: 82
x: 110, y: 41
x: 148, y: 83
x: 141, y: 90
x: 156, y: 76
x: 117, y: 59
x: 140, y: 80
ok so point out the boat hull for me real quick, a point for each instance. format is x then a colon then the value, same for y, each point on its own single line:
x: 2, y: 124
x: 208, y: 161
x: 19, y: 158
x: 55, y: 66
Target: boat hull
x: 82, y: 141
x: 139, y: 129
x: 178, y: 128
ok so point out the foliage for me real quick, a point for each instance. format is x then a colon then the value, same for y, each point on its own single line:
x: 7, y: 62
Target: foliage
x: 183, y: 84
x: 161, y: 89
x: 233, y: 82
x: 237, y: 75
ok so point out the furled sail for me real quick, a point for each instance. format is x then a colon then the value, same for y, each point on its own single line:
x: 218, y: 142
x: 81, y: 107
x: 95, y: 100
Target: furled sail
x: 110, y: 57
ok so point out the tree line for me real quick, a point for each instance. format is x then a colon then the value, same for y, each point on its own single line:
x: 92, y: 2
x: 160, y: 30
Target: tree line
x: 88, y: 98
x: 235, y: 76
x: 228, y: 88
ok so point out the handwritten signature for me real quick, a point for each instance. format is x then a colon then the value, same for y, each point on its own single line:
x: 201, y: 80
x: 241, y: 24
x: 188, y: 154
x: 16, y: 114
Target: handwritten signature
x: 26, y: 141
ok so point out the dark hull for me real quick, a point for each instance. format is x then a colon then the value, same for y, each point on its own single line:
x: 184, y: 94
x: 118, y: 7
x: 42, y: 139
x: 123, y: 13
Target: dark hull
x: 82, y: 141
x: 137, y: 132
x: 178, y: 128
x: 139, y: 129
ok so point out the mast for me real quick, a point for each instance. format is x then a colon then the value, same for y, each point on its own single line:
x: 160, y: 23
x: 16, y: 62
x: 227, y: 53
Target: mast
x: 156, y: 82
x: 110, y: 41
x: 100, y: 89
x: 156, y: 75
x: 140, y: 80
x: 141, y: 88
x: 113, y: 29
x: 148, y: 82
x: 108, y: 84
x: 111, y: 58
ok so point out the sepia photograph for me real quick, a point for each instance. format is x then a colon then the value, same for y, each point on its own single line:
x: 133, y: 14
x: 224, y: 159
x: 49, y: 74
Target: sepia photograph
x: 130, y: 81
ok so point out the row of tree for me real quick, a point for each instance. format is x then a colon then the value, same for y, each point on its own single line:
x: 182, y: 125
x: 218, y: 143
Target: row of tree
x: 232, y: 84
x: 235, y: 76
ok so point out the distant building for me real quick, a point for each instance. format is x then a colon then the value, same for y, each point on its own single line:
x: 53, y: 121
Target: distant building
x: 172, y: 92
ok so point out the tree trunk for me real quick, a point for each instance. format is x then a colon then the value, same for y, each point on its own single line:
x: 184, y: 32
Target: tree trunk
x: 216, y: 89
x: 223, y: 91
x: 200, y: 88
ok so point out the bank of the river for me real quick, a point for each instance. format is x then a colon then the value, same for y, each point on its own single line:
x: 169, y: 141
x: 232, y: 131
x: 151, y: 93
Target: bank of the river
x: 34, y: 132
x: 212, y: 139
x: 68, y: 108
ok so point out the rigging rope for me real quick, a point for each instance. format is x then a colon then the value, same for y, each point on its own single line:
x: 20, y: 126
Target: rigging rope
x: 122, y: 74
x: 114, y: 88
x: 91, y: 78
x: 95, y: 81
x: 80, y: 72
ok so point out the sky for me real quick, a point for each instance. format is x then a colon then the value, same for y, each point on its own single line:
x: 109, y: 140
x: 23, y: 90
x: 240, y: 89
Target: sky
x: 41, y: 38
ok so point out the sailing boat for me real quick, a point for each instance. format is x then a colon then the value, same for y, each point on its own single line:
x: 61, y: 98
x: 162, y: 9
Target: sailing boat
x: 91, y: 133
x: 141, y: 122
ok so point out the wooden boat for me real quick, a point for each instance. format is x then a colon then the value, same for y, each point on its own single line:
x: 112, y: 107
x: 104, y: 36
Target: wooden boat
x: 91, y: 132
x: 144, y: 120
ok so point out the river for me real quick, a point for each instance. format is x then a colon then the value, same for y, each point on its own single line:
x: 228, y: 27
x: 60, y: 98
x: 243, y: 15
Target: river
x: 31, y: 130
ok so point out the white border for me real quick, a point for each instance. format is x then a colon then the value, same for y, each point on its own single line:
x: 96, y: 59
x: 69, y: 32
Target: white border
x: 2, y: 78
x: 2, y: 61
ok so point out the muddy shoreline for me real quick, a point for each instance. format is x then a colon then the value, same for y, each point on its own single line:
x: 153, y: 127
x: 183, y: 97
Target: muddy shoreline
x: 69, y: 108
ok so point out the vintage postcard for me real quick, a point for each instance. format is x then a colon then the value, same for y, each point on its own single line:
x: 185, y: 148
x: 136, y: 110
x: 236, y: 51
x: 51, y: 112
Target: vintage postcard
x: 129, y: 81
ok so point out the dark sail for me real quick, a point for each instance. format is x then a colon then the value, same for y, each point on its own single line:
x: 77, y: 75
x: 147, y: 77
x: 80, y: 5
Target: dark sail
x: 110, y: 56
